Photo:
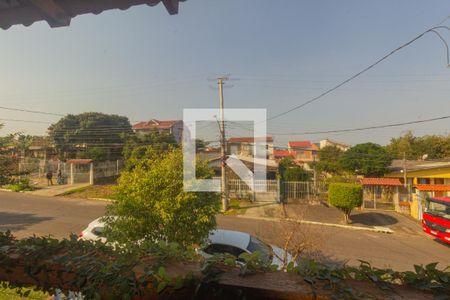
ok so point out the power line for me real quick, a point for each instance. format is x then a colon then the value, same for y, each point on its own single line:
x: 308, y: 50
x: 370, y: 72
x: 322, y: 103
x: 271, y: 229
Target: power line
x: 26, y: 121
x: 32, y: 111
x: 433, y: 29
x: 367, y: 128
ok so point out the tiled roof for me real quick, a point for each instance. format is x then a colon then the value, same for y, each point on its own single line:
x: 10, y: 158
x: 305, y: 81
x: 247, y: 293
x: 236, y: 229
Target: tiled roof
x: 268, y: 139
x: 283, y: 153
x: 59, y: 13
x: 79, y: 161
x: 381, y: 181
x: 417, y: 165
x: 444, y: 199
x: 306, y: 144
x: 155, y: 124
x: 433, y: 187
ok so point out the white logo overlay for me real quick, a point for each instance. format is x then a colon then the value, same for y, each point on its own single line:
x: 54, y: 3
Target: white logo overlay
x: 259, y: 143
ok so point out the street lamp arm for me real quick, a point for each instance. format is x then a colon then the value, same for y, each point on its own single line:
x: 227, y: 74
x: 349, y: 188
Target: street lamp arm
x: 443, y: 41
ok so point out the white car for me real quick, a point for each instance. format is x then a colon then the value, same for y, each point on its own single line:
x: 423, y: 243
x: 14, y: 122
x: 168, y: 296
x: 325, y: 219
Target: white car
x: 94, y: 231
x: 220, y: 241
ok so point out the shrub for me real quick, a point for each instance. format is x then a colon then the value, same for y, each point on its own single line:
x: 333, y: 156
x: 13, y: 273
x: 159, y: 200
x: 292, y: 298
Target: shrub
x: 289, y: 171
x: 345, y: 196
x: 22, y: 185
x: 296, y: 174
x: 8, y: 168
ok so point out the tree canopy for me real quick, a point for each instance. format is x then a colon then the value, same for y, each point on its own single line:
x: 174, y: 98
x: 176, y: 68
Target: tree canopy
x: 153, y: 206
x: 289, y: 171
x: 329, y: 160
x: 8, y: 163
x: 137, y: 146
x: 434, y: 146
x: 74, y: 134
x: 368, y: 159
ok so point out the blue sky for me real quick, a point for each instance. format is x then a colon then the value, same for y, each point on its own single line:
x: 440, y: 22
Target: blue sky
x: 144, y: 63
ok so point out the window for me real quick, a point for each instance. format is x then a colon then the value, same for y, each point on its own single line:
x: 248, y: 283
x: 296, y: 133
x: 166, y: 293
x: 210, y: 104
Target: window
x: 222, y: 249
x: 438, y: 209
x: 258, y: 245
x: 98, y: 231
x: 423, y: 180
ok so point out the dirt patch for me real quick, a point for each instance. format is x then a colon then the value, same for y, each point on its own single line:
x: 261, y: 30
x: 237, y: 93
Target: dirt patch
x: 94, y: 191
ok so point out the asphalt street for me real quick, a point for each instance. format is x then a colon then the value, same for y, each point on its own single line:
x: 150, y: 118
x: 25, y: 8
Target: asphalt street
x: 26, y: 215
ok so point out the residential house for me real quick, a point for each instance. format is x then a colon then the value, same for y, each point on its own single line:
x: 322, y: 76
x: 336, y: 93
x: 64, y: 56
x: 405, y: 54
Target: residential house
x: 245, y: 146
x: 280, y: 154
x: 250, y: 162
x: 41, y: 147
x: 174, y: 127
x: 304, y: 151
x: 327, y: 142
x: 382, y: 193
x: 426, y: 175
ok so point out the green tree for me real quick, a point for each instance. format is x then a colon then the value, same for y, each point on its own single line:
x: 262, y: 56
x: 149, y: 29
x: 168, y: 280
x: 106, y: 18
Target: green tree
x: 369, y: 159
x: 329, y: 158
x: 96, y: 154
x: 289, y: 171
x: 8, y: 163
x: 152, y: 204
x: 200, y: 145
x: 78, y: 133
x: 138, y: 145
x: 22, y: 143
x: 434, y: 146
x: 345, y: 196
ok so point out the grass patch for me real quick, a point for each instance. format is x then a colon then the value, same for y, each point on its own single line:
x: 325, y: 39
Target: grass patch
x: 237, y: 207
x: 93, y: 191
x: 20, y: 186
x: 7, y: 293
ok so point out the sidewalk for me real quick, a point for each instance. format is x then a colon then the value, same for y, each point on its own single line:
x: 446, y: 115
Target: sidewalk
x: 371, y: 220
x: 55, y: 190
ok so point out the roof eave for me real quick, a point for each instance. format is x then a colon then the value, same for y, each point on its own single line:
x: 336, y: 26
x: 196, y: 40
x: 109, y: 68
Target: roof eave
x: 58, y: 13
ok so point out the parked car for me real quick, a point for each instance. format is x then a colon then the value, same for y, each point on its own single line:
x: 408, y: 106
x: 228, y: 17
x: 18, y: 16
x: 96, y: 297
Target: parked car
x: 220, y: 241
x: 94, y: 231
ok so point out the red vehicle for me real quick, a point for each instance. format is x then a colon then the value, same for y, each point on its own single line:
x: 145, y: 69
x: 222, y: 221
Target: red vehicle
x: 436, y: 218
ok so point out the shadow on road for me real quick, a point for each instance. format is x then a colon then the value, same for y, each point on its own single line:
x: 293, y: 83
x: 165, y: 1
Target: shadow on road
x: 18, y: 221
x: 373, y: 219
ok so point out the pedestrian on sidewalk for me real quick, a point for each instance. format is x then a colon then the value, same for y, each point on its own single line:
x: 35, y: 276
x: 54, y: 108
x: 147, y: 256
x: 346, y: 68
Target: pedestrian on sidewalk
x: 49, y: 178
x: 60, y: 179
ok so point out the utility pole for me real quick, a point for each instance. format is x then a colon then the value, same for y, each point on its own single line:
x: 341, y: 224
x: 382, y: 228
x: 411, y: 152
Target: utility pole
x: 314, y: 175
x: 404, y: 170
x: 223, y: 144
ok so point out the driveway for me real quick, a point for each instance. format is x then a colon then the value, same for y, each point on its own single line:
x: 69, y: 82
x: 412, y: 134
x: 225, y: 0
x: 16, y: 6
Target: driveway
x: 401, y: 224
x: 26, y: 215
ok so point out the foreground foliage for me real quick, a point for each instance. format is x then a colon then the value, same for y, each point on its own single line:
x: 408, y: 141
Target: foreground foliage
x: 99, y: 271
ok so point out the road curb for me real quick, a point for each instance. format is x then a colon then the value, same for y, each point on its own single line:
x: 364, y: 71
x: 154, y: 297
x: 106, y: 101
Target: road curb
x: 101, y: 199
x: 372, y: 229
